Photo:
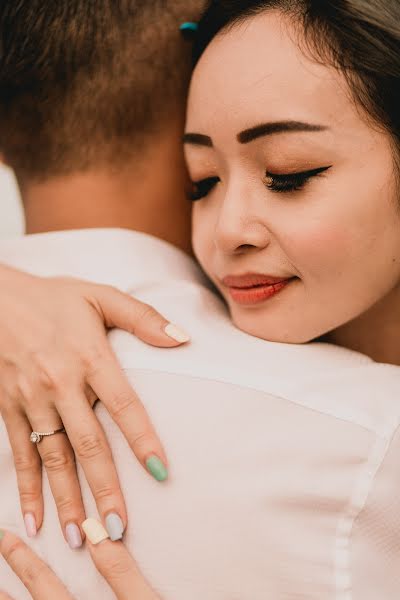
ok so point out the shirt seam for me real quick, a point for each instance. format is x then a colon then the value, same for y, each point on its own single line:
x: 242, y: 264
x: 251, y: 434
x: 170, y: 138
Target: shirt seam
x: 362, y: 490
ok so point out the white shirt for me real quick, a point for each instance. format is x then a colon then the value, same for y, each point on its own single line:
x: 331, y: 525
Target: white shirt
x: 284, y: 479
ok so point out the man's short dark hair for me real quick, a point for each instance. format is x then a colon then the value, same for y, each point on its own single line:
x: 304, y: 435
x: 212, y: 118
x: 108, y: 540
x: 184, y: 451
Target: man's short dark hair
x: 86, y: 82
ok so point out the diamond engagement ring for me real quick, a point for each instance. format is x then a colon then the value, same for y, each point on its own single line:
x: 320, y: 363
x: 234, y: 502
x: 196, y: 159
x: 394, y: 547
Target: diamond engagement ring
x: 36, y: 436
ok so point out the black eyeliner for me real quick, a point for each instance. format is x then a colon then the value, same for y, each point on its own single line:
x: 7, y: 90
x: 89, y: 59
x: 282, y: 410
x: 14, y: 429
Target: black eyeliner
x: 289, y: 182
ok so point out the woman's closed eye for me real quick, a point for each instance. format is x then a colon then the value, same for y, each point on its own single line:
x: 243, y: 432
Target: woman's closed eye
x: 280, y: 183
x: 291, y: 182
x: 201, y: 189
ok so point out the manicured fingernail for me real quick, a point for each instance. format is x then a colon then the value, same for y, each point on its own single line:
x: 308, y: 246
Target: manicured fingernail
x: 176, y: 333
x: 114, y: 526
x: 73, y: 535
x: 157, y: 468
x: 95, y: 531
x: 2, y: 534
x: 30, y: 525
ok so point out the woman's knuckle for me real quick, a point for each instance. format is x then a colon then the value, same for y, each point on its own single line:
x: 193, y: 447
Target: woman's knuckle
x: 89, y: 445
x: 117, y: 568
x: 30, y: 496
x: 94, y: 359
x: 49, y: 375
x: 147, y: 313
x: 32, y: 573
x: 57, y: 460
x: 17, y: 390
x: 50, y: 378
x: 121, y: 402
x: 13, y: 550
x: 142, y: 440
x: 105, y: 491
x: 23, y: 389
x: 25, y: 462
x: 65, y: 504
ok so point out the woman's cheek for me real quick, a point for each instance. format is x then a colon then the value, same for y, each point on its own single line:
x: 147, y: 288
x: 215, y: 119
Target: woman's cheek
x: 320, y: 250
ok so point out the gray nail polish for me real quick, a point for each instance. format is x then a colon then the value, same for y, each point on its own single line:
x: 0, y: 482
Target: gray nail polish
x: 114, y: 526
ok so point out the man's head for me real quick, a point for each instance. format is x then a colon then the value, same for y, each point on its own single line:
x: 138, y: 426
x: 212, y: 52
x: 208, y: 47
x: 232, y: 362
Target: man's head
x: 87, y: 83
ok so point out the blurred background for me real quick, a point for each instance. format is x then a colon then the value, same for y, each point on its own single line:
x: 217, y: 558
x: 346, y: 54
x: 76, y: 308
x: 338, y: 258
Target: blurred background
x: 11, y: 215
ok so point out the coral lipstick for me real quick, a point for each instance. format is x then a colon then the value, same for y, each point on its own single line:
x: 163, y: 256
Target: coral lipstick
x: 253, y: 289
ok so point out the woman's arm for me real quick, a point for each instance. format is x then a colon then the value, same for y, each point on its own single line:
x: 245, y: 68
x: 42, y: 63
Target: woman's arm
x: 55, y: 361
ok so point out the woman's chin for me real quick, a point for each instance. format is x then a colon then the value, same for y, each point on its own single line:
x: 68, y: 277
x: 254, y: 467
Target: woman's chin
x: 278, y: 332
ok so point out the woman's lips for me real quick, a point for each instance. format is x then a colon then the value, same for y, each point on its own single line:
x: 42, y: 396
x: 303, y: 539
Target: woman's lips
x: 253, y: 288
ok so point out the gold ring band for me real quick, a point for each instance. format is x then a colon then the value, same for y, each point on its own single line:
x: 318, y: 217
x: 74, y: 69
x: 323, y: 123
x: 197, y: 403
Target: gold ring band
x: 37, y: 436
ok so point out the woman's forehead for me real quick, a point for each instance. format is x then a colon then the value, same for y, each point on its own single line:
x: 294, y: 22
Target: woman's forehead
x: 257, y: 71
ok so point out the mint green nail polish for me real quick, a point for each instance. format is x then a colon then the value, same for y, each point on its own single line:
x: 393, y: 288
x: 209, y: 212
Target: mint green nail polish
x: 157, y: 468
x: 2, y: 534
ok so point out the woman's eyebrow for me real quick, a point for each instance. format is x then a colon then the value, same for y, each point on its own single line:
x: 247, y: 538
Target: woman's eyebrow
x: 197, y: 139
x: 248, y: 135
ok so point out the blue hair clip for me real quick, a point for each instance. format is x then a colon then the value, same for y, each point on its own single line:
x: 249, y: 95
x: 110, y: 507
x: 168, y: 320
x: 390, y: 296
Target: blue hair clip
x: 189, y: 27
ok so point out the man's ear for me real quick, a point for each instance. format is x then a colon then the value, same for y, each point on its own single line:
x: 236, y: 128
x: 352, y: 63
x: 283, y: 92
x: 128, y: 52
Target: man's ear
x: 3, y: 159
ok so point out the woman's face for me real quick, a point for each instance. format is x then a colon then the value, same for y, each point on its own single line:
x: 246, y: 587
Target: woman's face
x: 297, y: 221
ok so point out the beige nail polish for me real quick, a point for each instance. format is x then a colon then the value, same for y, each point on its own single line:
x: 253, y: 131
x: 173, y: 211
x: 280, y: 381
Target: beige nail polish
x: 176, y: 333
x: 94, y: 531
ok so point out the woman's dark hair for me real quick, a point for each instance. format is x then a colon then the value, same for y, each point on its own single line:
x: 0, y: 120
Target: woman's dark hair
x: 361, y: 38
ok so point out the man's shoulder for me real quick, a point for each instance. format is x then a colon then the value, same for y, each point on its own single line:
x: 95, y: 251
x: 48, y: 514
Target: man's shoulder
x: 322, y: 377
x: 121, y: 257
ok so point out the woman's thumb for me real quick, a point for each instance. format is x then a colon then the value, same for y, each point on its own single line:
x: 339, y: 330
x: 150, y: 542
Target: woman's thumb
x: 142, y: 320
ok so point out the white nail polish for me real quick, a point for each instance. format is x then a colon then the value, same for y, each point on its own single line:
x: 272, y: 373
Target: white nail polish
x: 176, y: 333
x: 95, y: 531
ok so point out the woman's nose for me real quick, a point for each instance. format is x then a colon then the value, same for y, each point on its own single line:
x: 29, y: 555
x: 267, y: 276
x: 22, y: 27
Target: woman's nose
x: 239, y: 228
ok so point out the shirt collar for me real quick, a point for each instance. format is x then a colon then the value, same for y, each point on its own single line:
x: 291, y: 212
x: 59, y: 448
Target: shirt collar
x: 119, y: 257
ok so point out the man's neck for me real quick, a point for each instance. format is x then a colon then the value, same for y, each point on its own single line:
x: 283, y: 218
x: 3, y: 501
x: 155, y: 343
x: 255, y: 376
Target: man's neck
x: 146, y: 195
x: 376, y: 333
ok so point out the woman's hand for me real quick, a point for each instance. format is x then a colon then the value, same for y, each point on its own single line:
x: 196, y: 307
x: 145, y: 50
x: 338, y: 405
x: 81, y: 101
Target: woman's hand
x: 111, y: 559
x: 55, y: 361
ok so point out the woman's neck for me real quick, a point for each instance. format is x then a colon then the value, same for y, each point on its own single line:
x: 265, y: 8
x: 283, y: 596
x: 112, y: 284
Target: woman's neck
x: 375, y: 333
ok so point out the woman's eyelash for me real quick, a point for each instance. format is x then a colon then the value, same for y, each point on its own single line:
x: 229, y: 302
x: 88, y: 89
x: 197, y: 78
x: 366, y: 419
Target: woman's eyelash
x: 200, y: 189
x: 291, y: 182
x: 277, y: 183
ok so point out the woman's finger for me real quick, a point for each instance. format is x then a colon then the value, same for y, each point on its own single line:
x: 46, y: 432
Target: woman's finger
x: 91, y: 396
x: 116, y: 565
x: 121, y: 310
x: 116, y: 393
x: 93, y: 452
x: 59, y: 461
x: 28, y: 466
x: 37, y: 577
x: 106, y: 378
